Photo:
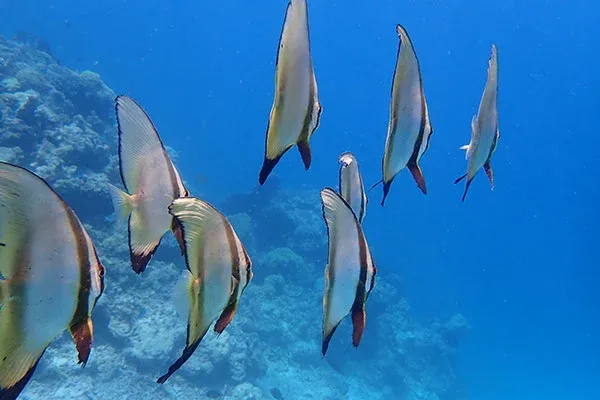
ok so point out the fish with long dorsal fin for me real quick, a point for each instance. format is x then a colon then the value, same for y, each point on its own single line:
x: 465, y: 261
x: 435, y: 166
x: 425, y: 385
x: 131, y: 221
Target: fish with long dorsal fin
x: 350, y: 271
x: 218, y: 271
x: 51, y: 276
x: 484, y: 129
x: 151, y: 181
x: 409, y: 129
x: 296, y: 109
x: 351, y: 185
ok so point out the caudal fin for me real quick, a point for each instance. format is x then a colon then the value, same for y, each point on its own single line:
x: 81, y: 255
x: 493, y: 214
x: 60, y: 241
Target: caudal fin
x: 122, y: 202
x: 358, y: 324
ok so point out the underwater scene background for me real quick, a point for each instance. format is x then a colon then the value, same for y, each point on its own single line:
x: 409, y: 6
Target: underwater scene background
x: 494, y: 298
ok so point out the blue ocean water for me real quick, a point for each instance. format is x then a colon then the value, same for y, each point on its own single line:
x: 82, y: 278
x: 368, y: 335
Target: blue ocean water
x: 519, y: 262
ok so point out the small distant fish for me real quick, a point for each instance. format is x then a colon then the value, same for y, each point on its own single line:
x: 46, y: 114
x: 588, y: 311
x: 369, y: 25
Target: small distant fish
x: 296, y: 110
x: 151, y: 181
x: 276, y: 393
x: 218, y: 271
x: 51, y: 276
x: 351, y: 185
x: 484, y: 129
x: 350, y: 271
x: 409, y: 129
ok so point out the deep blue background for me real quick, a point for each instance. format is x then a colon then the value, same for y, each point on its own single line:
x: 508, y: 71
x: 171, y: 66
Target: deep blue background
x: 519, y: 262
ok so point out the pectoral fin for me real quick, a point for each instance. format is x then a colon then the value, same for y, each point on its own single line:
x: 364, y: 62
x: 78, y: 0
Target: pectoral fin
x: 304, y: 149
x: 358, y: 323
x: 488, y: 171
x: 82, y: 333
x: 417, y: 174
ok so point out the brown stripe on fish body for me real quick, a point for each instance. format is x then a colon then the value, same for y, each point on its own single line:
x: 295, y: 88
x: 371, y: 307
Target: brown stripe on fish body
x: 358, y: 308
x: 413, y: 162
x: 229, y: 311
x: 81, y: 325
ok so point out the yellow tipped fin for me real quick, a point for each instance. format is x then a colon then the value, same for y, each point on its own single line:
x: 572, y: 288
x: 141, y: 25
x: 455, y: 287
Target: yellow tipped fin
x: 181, y: 293
x: 122, y: 202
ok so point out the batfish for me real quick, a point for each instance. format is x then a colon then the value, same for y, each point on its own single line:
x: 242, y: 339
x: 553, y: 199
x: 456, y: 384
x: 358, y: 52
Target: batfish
x: 351, y: 185
x: 484, y: 128
x: 151, y: 181
x: 296, y: 110
x: 51, y: 276
x: 350, y: 271
x: 218, y: 271
x: 409, y: 129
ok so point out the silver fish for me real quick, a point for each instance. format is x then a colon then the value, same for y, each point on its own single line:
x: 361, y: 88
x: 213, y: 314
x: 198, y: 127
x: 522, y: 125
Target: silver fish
x: 484, y: 129
x: 218, y: 271
x: 409, y: 129
x: 296, y: 110
x: 151, y: 181
x: 350, y: 271
x: 51, y: 276
x: 351, y: 185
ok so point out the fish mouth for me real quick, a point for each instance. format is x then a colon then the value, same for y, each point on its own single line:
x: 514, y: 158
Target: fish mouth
x: 346, y: 159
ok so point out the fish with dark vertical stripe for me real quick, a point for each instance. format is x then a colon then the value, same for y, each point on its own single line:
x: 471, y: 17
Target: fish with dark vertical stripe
x: 351, y: 185
x: 151, y: 181
x: 218, y: 271
x: 409, y: 129
x: 52, y: 277
x: 350, y: 271
x: 296, y: 110
x: 484, y: 129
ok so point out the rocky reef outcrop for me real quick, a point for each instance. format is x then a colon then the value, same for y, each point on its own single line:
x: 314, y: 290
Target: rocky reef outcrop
x: 60, y: 124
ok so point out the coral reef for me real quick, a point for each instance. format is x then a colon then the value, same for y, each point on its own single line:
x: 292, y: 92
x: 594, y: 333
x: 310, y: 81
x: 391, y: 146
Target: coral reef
x: 60, y: 124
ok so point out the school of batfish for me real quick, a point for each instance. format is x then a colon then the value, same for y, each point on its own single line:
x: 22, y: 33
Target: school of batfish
x: 52, y: 276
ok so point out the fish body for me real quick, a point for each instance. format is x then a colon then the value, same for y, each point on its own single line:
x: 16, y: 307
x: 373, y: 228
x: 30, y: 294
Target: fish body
x: 484, y: 128
x: 151, y: 181
x: 52, y: 277
x: 218, y: 271
x: 409, y: 128
x: 351, y: 185
x: 350, y: 271
x: 296, y: 110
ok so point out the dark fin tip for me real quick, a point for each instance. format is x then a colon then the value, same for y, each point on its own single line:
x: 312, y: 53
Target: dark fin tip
x: 386, y: 191
x: 139, y: 262
x: 460, y: 178
x: 13, y: 392
x: 417, y: 174
x: 326, y: 340
x: 375, y: 185
x: 187, y: 353
x: 358, y: 323
x: 266, y: 169
x: 82, y: 336
x: 226, y: 317
x: 466, y: 189
x: 305, y: 153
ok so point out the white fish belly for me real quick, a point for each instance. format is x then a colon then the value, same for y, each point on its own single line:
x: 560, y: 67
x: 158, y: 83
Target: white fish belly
x: 346, y: 274
x: 409, y: 112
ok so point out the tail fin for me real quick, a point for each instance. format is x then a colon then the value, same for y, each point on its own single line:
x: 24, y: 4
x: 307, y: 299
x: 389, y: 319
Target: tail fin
x: 122, y: 202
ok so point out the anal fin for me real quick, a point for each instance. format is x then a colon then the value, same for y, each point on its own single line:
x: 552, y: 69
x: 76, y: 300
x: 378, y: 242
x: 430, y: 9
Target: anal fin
x: 13, y: 392
x: 417, y: 174
x: 267, y: 168
x: 82, y: 333
x: 305, y: 153
x: 358, y: 324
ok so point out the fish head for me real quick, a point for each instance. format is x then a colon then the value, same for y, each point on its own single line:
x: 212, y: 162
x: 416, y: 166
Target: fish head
x: 347, y: 159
